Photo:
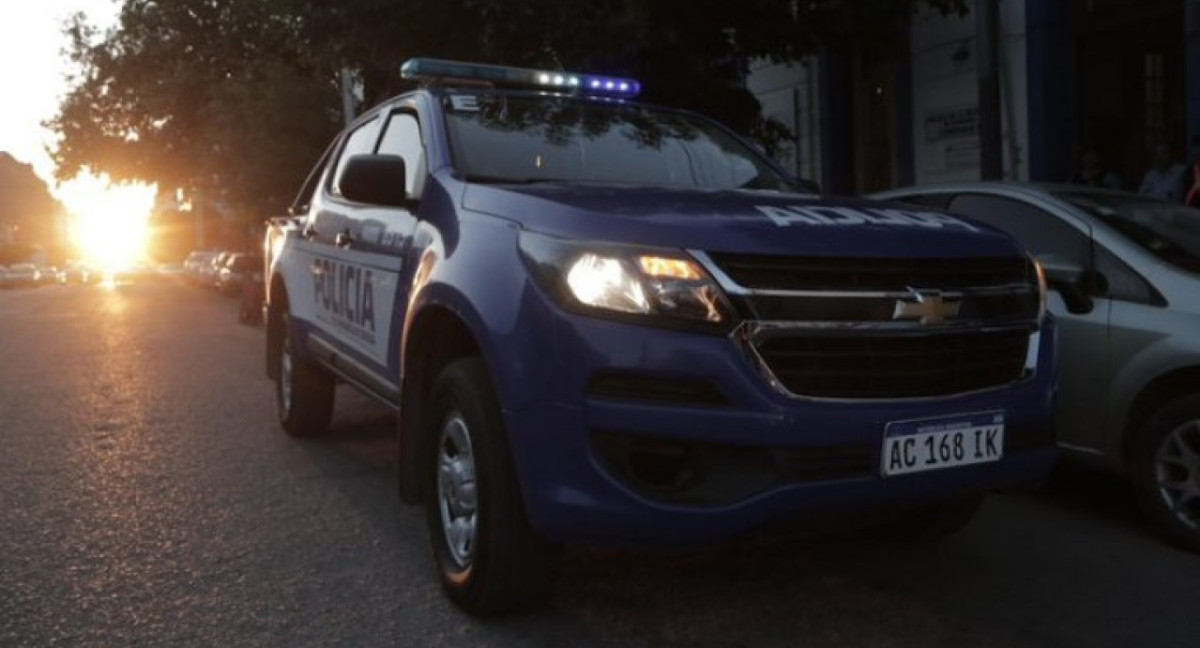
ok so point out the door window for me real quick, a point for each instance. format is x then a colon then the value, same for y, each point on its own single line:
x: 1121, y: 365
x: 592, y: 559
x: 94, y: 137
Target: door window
x: 304, y: 198
x: 1123, y: 282
x: 361, y: 141
x: 402, y: 137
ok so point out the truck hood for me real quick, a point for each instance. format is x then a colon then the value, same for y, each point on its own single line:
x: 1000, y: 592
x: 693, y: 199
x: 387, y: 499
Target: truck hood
x: 738, y: 221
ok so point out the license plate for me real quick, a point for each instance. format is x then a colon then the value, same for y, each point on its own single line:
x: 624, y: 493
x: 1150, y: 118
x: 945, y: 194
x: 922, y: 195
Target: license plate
x: 933, y: 444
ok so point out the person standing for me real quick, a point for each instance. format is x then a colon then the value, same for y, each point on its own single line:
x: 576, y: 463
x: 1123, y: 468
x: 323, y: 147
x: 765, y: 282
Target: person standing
x: 1164, y: 179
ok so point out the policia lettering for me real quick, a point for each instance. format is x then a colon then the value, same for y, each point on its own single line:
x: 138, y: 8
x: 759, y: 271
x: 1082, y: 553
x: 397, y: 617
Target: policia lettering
x: 346, y: 291
x: 841, y: 216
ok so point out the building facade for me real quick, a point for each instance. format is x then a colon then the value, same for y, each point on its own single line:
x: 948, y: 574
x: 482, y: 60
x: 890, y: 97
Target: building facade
x: 1112, y: 76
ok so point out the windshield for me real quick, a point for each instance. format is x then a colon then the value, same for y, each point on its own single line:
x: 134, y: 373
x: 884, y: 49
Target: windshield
x: 500, y: 138
x: 1168, y: 230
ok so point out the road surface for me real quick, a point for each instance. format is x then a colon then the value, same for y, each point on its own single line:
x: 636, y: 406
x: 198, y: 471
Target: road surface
x: 148, y: 498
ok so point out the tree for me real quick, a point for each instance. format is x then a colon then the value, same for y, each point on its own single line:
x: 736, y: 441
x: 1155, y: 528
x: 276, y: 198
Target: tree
x: 690, y: 53
x: 30, y: 217
x: 212, y: 97
x: 237, y: 97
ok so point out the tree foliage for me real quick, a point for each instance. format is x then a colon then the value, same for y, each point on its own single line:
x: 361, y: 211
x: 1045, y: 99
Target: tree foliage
x: 214, y: 97
x: 238, y: 97
x: 29, y: 215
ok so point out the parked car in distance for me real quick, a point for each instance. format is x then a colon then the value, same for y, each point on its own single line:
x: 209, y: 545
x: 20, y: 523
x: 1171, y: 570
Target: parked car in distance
x: 23, y: 274
x: 47, y: 276
x: 75, y: 272
x: 197, y: 262
x: 212, y: 271
x: 239, y: 268
x: 1124, y: 271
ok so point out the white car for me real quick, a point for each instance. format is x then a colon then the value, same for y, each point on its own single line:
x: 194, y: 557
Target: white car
x: 23, y: 274
x: 1124, y: 273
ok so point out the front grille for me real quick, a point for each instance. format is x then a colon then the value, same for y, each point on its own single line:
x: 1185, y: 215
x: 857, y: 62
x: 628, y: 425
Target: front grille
x: 995, y: 308
x: 906, y: 365
x: 757, y: 272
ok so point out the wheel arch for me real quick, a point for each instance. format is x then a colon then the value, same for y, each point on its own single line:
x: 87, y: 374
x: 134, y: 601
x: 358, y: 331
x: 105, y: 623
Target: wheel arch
x: 1158, y: 392
x: 436, y: 337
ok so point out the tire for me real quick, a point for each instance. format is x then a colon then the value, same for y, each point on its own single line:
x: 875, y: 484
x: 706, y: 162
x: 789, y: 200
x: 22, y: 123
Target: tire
x: 303, y: 391
x: 932, y: 523
x: 489, y: 560
x: 1165, y: 470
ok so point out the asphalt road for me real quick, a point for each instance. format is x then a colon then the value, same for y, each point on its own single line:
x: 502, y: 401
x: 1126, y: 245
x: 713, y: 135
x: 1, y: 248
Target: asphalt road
x: 147, y: 498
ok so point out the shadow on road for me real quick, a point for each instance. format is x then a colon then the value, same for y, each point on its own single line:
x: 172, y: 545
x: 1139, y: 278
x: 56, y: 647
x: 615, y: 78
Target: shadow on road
x: 1104, y: 498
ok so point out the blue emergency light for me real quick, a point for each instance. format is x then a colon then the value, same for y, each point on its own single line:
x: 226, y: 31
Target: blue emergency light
x: 427, y: 69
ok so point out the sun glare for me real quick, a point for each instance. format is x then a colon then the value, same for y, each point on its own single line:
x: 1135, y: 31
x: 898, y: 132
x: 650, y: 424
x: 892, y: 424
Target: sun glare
x: 109, y: 222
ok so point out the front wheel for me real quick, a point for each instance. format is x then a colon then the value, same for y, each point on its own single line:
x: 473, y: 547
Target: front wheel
x: 303, y: 391
x: 1165, y: 468
x: 488, y: 558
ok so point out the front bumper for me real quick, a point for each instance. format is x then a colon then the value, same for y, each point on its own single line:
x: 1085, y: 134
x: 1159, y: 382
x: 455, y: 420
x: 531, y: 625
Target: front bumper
x: 574, y: 492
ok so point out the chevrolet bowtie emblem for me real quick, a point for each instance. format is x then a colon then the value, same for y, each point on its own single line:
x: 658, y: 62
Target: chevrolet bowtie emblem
x: 927, y: 306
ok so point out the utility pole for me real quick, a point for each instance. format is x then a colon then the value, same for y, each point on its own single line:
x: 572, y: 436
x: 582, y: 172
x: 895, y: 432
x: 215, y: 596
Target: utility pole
x: 347, y: 83
x: 987, y: 41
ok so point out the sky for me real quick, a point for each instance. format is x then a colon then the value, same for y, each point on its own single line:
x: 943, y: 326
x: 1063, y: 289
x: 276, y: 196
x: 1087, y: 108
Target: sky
x: 108, y: 223
x: 33, y: 70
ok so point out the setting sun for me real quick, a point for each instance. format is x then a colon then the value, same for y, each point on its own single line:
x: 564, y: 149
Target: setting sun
x: 109, y: 222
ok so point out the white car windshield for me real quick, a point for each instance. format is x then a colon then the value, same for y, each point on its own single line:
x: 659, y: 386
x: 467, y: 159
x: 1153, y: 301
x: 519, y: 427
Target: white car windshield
x: 1168, y: 230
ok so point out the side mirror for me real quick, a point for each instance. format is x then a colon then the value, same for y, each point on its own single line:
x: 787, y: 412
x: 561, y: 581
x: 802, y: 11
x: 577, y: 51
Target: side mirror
x: 1076, y: 285
x: 375, y: 180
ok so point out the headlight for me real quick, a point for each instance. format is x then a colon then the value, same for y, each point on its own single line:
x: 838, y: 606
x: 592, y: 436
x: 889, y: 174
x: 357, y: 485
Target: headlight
x: 627, y: 282
x: 1041, y: 284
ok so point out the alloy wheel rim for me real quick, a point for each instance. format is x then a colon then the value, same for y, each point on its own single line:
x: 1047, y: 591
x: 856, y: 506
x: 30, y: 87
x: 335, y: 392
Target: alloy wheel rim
x: 457, y: 500
x: 1177, y: 473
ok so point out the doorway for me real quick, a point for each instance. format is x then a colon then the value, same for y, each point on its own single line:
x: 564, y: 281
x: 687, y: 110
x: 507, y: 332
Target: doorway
x: 1132, y: 91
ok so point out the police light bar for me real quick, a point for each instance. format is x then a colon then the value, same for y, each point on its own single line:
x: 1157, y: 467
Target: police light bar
x: 427, y: 69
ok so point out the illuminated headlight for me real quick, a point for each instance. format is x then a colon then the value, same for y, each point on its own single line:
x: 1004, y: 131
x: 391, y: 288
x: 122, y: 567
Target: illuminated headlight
x: 603, y: 282
x: 660, y: 286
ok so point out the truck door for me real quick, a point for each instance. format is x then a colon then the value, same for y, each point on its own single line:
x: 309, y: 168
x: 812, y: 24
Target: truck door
x: 359, y: 255
x: 383, y: 236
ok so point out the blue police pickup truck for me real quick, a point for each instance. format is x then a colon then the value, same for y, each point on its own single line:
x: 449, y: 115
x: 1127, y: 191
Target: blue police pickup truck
x: 601, y: 321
